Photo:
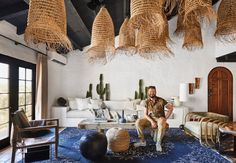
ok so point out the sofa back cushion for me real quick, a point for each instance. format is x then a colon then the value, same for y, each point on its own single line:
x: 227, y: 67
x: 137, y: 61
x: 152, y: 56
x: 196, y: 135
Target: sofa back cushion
x: 82, y: 103
x: 115, y: 105
x: 72, y: 103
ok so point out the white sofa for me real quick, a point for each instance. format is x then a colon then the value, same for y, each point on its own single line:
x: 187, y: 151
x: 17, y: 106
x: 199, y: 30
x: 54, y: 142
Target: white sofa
x: 71, y: 117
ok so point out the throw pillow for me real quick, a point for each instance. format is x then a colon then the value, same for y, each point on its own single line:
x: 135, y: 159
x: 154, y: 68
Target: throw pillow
x: 131, y: 104
x: 72, y: 103
x: 82, y: 103
x: 97, y: 103
x: 143, y: 103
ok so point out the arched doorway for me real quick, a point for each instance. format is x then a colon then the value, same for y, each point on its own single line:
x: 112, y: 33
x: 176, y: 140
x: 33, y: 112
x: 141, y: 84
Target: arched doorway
x: 220, y: 91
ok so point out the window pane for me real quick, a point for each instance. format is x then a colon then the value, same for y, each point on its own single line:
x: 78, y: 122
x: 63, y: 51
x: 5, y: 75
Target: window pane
x: 28, y: 98
x: 4, y: 100
x: 4, y: 131
x: 4, y: 70
x: 21, y: 99
x: 28, y: 110
x: 28, y: 74
x: 28, y: 86
x: 22, y: 108
x: 22, y: 73
x: 4, y: 86
x: 21, y: 86
x: 4, y: 116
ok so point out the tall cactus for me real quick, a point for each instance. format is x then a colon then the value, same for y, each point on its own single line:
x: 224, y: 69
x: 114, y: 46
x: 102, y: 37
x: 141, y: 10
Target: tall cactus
x: 100, y: 88
x: 89, y: 92
x: 140, y: 94
x: 146, y: 93
x: 107, y: 87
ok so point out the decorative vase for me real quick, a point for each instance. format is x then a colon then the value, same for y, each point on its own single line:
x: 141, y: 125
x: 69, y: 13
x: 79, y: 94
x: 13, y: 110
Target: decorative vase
x: 122, y: 119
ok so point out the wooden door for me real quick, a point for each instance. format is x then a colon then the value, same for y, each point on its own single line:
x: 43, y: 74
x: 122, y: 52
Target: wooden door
x: 220, y: 91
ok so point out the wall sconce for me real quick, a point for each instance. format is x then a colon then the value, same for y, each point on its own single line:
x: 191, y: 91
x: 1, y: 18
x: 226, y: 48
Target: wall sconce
x: 197, y: 83
x: 191, y: 88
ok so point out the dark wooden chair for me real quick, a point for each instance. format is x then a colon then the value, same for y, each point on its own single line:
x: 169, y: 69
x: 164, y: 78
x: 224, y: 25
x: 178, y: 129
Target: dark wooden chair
x: 29, y: 134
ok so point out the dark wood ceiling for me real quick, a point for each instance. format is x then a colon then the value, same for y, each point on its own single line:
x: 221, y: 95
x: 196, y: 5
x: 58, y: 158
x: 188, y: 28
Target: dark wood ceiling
x: 79, y: 17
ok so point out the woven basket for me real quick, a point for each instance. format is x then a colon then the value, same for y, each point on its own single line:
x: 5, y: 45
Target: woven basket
x: 192, y: 34
x: 118, y: 139
x: 146, y: 13
x: 226, y: 23
x: 200, y: 9
x: 149, y: 42
x: 103, y: 37
x: 126, y: 39
x: 47, y: 24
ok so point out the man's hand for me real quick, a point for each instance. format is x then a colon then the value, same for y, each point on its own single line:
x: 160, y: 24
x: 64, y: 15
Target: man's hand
x: 154, y: 124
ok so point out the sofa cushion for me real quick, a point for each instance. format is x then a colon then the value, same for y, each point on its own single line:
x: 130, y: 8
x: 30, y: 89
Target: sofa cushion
x: 131, y: 104
x: 96, y: 104
x: 79, y: 114
x: 194, y: 127
x: 72, y: 103
x: 115, y: 105
x: 82, y: 103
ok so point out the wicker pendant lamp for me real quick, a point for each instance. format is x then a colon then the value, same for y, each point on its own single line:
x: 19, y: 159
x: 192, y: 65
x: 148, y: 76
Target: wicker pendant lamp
x: 47, y: 24
x: 103, y: 37
x: 199, y: 9
x: 146, y: 13
x: 193, y: 36
x: 226, y: 23
x: 126, y: 39
x: 149, y: 42
x: 180, y: 25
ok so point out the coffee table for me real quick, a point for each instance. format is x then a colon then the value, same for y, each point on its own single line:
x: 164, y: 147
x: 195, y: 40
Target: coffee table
x: 224, y: 133
x: 101, y: 126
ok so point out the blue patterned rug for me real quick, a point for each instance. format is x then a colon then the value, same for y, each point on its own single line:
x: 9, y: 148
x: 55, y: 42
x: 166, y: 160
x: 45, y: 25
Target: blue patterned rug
x: 177, y: 148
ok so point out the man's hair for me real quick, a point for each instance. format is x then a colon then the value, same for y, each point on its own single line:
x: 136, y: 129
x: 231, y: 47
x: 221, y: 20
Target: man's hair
x: 151, y: 87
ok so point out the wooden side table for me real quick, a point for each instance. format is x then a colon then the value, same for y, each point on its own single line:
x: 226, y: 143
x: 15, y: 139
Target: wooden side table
x: 101, y: 126
x: 224, y: 135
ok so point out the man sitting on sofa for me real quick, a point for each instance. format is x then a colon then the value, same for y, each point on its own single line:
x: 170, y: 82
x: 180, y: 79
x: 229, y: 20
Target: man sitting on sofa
x: 154, y: 117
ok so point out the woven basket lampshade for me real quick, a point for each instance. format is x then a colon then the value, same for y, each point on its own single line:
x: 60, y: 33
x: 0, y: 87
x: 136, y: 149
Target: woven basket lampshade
x: 180, y: 26
x: 193, y: 36
x: 146, y: 13
x: 118, y: 139
x: 226, y: 23
x: 103, y: 37
x: 200, y: 9
x: 47, y: 24
x: 149, y: 42
x: 126, y: 39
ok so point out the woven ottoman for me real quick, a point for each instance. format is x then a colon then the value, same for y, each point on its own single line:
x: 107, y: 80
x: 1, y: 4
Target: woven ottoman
x: 118, y: 139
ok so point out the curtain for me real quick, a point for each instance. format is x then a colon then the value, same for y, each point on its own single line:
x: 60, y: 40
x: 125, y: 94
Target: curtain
x: 41, y: 105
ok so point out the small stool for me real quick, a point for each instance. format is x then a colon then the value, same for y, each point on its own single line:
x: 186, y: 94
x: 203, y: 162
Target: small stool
x: 118, y: 139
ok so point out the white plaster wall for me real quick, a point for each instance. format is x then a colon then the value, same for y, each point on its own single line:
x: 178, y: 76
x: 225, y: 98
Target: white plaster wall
x: 123, y: 73
x: 9, y: 48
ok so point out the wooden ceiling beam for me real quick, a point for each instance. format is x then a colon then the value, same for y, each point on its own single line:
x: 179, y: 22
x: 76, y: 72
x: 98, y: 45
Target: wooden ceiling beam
x: 13, y: 11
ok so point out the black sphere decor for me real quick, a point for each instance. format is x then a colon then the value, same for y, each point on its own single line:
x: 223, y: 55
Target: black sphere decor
x: 61, y: 101
x: 93, y: 146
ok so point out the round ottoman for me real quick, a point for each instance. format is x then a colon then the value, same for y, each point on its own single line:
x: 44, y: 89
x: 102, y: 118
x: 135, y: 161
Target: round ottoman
x: 118, y: 139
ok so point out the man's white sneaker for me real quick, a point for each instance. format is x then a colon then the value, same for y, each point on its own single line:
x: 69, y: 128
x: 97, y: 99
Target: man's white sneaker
x: 158, y: 147
x: 140, y: 144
